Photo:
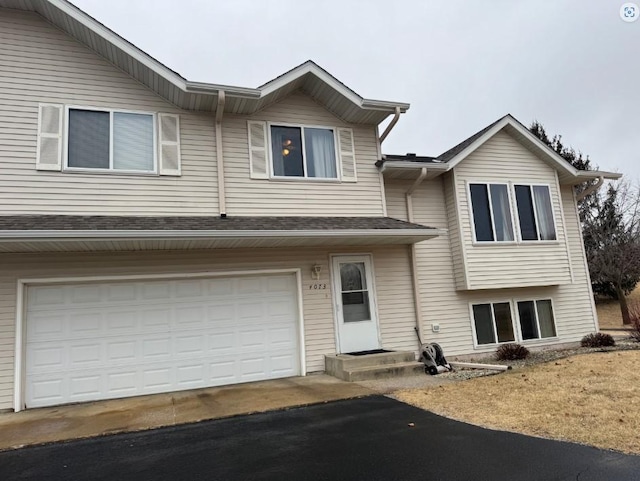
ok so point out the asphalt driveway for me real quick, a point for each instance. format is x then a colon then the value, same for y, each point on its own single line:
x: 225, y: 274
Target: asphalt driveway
x: 368, y: 439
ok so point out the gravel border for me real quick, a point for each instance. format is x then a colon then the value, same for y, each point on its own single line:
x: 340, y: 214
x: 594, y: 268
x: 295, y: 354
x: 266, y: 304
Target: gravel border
x: 536, y: 357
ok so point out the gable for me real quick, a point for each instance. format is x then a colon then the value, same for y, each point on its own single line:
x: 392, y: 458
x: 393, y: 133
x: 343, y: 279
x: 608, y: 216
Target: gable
x: 504, y: 158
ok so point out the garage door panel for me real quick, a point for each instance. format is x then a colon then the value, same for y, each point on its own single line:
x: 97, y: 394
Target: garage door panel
x: 122, y: 339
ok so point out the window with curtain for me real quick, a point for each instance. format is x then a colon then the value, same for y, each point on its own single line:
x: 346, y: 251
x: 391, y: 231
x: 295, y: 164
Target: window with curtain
x: 110, y: 141
x: 303, y: 152
x: 535, y: 213
x: 491, y: 212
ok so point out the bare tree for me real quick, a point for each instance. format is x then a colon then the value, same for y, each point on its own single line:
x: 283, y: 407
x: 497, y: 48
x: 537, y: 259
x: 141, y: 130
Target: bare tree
x: 611, y: 230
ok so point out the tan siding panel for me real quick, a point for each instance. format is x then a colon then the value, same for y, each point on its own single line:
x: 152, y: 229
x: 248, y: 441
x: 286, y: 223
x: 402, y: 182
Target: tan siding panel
x: 39, y: 63
x: 504, y: 159
x: 247, y: 196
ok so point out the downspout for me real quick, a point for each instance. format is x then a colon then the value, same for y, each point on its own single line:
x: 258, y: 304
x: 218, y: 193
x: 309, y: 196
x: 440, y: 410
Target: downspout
x: 222, y: 198
x: 590, y: 190
x: 414, y: 267
x: 391, y: 125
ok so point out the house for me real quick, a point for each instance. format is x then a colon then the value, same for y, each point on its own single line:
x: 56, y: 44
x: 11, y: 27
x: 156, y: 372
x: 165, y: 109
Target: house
x: 159, y: 234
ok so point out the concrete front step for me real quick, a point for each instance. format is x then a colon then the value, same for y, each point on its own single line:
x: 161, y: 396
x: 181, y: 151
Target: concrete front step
x: 372, y: 366
x: 399, y: 369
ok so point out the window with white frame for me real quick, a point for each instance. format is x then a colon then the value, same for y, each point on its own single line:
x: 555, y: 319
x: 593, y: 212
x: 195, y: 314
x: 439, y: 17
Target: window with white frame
x: 493, y: 323
x: 303, y: 152
x: 535, y: 213
x: 536, y: 319
x: 109, y: 140
x: 491, y: 212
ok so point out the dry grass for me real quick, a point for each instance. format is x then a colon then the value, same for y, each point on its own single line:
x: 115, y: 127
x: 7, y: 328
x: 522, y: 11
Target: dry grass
x: 590, y: 399
x: 609, y: 310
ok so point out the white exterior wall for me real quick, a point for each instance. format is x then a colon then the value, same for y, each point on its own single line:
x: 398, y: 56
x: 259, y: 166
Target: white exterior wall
x: 391, y: 268
x: 491, y: 265
x: 247, y: 196
x: 442, y: 303
x: 39, y: 63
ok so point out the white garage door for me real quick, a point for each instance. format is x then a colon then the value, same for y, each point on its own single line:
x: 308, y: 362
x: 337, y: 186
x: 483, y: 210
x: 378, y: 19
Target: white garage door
x: 109, y: 340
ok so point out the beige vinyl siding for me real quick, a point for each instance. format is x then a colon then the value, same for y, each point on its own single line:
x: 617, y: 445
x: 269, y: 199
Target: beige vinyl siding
x: 246, y: 196
x: 453, y: 223
x: 390, y: 264
x: 443, y: 304
x: 491, y: 265
x: 39, y: 63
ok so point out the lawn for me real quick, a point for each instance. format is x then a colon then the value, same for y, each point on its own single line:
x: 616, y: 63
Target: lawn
x: 590, y: 399
x: 609, y: 310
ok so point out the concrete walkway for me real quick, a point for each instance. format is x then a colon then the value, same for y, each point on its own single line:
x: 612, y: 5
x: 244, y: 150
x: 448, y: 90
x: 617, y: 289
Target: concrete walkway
x: 44, y: 425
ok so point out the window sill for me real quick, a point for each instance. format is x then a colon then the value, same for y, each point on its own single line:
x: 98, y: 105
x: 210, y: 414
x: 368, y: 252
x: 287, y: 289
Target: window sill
x: 514, y: 243
x: 306, y: 180
x: 132, y: 173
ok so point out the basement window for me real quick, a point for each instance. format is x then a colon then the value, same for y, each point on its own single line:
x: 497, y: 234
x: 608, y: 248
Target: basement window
x: 536, y: 319
x: 493, y: 323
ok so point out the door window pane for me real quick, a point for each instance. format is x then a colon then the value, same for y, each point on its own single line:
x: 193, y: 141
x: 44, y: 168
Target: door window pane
x: 355, y: 297
x: 132, y: 141
x: 504, y: 326
x: 483, y: 323
x: 501, y: 212
x: 544, y: 212
x: 286, y: 148
x: 481, y: 213
x: 320, y: 151
x: 355, y: 306
x: 88, y: 144
x: 528, y: 320
x: 545, y: 318
x: 525, y: 213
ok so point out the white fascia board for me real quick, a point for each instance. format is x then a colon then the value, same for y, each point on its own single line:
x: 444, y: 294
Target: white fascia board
x: 310, y: 67
x: 407, y: 165
x: 595, y: 174
x: 229, y: 90
x: 117, y: 41
x: 560, y: 163
x: 216, y: 234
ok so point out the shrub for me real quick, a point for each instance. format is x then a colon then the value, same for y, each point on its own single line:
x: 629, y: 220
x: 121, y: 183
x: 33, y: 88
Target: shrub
x: 511, y: 352
x: 597, y: 340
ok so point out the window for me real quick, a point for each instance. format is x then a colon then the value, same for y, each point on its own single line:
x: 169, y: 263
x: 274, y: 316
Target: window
x: 536, y: 319
x: 303, y: 152
x: 491, y: 212
x: 493, y: 323
x: 110, y: 141
x: 535, y: 213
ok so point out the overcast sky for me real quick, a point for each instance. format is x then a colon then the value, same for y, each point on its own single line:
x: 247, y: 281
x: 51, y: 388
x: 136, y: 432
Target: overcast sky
x: 574, y: 65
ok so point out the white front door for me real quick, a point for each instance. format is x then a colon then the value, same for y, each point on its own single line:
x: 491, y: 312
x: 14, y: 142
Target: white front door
x: 355, y: 304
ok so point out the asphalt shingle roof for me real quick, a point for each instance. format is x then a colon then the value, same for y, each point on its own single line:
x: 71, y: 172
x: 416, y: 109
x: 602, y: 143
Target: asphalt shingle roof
x: 212, y: 223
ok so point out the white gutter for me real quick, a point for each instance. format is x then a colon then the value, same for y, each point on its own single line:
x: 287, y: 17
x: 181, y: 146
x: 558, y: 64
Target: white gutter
x: 391, y: 125
x: 222, y: 200
x: 47, y: 235
x: 417, y: 299
x: 590, y: 189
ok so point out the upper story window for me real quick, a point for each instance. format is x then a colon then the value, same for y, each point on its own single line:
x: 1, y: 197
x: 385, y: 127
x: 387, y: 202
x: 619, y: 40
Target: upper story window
x: 96, y: 140
x: 280, y: 151
x: 303, y: 152
x: 535, y: 213
x: 491, y: 212
x: 110, y: 141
